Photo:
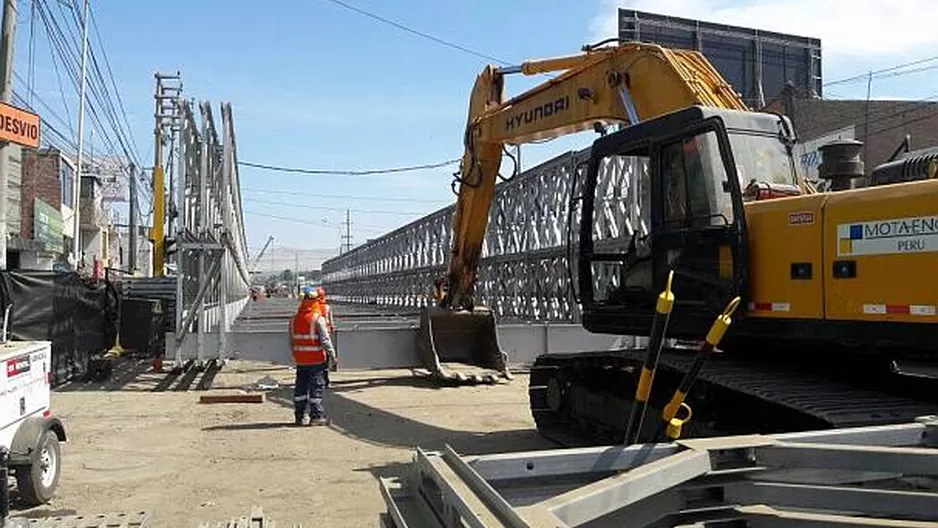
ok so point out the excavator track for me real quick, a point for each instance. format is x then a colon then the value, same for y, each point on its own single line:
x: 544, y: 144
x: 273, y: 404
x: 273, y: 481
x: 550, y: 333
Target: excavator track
x: 584, y: 398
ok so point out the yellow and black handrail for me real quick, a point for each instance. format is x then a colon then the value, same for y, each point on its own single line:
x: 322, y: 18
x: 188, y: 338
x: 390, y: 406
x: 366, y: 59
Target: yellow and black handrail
x: 671, y: 423
x: 659, y: 328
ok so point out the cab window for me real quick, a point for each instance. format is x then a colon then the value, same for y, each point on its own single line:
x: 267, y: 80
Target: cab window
x: 696, y: 187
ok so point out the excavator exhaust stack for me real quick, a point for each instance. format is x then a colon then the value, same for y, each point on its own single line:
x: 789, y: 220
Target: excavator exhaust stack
x: 451, y: 343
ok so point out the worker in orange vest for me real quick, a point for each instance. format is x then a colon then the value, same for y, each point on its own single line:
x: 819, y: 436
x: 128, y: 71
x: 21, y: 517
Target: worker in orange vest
x: 326, y: 309
x: 312, y: 353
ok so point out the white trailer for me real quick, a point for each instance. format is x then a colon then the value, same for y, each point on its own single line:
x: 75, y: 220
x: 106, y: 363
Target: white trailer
x: 29, y: 434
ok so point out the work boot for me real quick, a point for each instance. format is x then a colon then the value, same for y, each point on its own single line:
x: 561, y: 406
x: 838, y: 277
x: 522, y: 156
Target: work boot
x: 320, y: 421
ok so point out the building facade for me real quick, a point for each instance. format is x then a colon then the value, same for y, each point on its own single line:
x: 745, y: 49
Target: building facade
x: 45, y: 219
x: 887, y: 128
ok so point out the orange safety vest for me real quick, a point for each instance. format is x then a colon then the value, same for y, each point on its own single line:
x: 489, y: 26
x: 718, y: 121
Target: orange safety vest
x: 305, y: 341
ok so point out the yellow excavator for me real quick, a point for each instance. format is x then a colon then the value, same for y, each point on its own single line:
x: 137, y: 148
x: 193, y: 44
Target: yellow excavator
x: 838, y: 298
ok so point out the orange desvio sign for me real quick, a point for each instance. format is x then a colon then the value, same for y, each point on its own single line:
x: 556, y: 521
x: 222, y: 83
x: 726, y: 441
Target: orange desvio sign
x: 18, y: 126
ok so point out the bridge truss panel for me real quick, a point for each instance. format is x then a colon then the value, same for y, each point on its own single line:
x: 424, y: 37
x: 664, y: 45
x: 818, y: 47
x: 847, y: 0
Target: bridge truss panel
x: 534, y: 225
x: 212, y: 279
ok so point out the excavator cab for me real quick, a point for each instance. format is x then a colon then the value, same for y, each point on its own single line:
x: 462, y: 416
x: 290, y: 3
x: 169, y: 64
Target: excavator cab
x: 681, y: 208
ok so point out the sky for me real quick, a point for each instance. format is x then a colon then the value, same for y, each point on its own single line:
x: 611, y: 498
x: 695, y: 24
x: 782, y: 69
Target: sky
x: 314, y: 84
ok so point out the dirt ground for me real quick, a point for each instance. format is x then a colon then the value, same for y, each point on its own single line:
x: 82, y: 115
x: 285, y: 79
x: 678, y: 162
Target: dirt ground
x: 133, y: 449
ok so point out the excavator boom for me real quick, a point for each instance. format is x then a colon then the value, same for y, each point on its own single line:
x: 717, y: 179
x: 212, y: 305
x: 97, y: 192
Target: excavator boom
x: 621, y: 84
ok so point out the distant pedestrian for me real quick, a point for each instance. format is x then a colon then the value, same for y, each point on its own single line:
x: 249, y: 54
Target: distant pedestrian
x: 312, y: 352
x: 326, y: 309
x: 330, y: 323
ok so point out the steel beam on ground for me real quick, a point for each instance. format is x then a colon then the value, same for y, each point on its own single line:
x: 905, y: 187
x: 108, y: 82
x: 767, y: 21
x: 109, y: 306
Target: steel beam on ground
x: 883, y: 435
x: 605, y: 496
x: 761, y: 516
x: 910, y: 504
x: 556, y: 462
x: 911, y: 460
x: 700, y: 482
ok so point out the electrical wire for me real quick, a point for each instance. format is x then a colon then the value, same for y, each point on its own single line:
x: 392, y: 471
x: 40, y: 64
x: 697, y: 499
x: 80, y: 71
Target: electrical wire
x: 341, y: 196
x: 327, y: 172
x: 341, y: 209
x: 421, y: 34
x: 306, y: 222
x: 99, y: 102
x: 865, y: 76
x: 70, y: 58
x: 35, y: 96
x: 107, y: 64
x: 62, y: 142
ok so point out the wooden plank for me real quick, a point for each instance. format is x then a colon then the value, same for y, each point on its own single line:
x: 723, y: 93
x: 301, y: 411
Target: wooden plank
x: 231, y: 398
x: 107, y: 520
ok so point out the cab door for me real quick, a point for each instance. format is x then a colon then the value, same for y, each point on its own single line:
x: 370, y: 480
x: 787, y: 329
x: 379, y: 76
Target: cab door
x: 698, y: 226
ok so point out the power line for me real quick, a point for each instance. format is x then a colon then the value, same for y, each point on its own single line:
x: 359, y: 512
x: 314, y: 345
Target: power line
x: 326, y: 172
x: 342, y: 196
x: 32, y: 93
x: 866, y: 75
x: 308, y: 223
x: 421, y: 34
x: 323, y: 208
x: 107, y: 64
x: 64, y: 143
x: 901, y: 124
x: 99, y: 94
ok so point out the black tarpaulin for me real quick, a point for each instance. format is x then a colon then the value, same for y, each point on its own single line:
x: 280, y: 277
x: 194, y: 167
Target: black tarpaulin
x: 78, y: 317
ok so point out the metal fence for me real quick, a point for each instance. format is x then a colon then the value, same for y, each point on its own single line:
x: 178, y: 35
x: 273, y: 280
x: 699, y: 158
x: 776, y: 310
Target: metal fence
x: 524, y: 274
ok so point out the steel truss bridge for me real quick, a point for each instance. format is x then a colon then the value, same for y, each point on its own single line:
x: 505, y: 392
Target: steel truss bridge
x: 211, y: 283
x: 533, y: 231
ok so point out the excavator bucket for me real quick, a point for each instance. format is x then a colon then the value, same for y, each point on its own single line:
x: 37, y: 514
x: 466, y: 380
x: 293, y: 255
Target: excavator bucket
x: 461, y: 346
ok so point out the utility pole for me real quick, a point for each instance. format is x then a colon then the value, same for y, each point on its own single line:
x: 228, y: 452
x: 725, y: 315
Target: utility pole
x: 166, y: 116
x: 132, y: 258
x: 866, y: 122
x: 347, y: 237
x: 76, y: 188
x: 6, y: 94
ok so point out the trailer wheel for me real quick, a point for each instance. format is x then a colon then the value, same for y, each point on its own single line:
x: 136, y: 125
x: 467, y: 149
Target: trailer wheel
x: 38, y: 481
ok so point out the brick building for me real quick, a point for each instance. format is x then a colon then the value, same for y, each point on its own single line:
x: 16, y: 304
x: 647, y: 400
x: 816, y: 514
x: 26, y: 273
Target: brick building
x: 882, y: 125
x: 46, y: 184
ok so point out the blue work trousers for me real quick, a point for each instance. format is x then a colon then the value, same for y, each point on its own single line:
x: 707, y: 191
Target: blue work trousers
x: 308, y: 389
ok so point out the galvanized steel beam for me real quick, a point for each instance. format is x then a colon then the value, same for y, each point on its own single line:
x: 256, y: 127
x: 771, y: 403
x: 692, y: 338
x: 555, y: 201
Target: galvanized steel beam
x: 753, y: 480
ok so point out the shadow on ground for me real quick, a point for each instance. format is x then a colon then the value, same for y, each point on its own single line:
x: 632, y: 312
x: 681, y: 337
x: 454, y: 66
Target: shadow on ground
x: 134, y: 373
x: 376, y: 426
x: 128, y: 373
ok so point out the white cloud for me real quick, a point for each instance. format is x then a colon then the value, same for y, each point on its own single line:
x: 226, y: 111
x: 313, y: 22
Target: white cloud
x: 860, y: 29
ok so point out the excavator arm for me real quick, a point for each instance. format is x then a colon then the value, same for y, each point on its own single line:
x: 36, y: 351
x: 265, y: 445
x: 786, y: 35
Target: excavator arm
x: 624, y: 84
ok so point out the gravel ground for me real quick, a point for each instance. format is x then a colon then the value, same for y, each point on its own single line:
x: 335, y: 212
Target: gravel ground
x: 132, y: 449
